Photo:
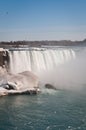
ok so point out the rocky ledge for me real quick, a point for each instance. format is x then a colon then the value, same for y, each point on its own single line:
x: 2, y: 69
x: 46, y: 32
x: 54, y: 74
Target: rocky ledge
x: 22, y: 83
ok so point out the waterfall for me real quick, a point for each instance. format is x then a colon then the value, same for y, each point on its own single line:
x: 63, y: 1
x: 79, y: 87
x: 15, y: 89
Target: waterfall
x: 40, y: 59
x: 64, y: 67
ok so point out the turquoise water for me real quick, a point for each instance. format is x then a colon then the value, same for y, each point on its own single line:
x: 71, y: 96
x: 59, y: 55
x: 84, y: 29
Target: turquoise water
x: 61, y: 110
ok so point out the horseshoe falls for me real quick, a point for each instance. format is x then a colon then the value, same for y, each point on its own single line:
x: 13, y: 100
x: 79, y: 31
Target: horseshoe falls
x: 39, y: 60
x: 59, y: 66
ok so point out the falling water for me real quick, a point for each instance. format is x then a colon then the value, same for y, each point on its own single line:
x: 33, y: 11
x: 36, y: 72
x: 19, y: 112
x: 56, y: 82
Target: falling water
x: 61, y: 66
x: 39, y: 60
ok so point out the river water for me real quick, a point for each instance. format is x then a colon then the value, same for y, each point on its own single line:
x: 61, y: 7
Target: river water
x: 52, y: 110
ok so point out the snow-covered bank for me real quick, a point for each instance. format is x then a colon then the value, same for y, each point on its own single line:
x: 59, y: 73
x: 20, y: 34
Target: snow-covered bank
x: 22, y: 83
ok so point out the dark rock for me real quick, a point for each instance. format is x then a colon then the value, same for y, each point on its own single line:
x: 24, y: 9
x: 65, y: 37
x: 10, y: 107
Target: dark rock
x: 50, y: 86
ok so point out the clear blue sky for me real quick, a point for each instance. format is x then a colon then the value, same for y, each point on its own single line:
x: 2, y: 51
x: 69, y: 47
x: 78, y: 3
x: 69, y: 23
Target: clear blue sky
x: 42, y: 20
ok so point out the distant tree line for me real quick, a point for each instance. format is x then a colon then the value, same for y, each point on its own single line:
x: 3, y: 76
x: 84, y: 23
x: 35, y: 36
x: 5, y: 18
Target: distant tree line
x: 41, y: 43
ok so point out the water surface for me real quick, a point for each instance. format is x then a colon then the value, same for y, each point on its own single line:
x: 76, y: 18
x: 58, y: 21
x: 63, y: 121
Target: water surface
x: 61, y: 110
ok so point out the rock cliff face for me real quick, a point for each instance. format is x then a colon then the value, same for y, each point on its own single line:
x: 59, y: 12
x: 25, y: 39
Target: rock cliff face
x: 2, y: 52
x: 3, y: 70
x: 4, y: 58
